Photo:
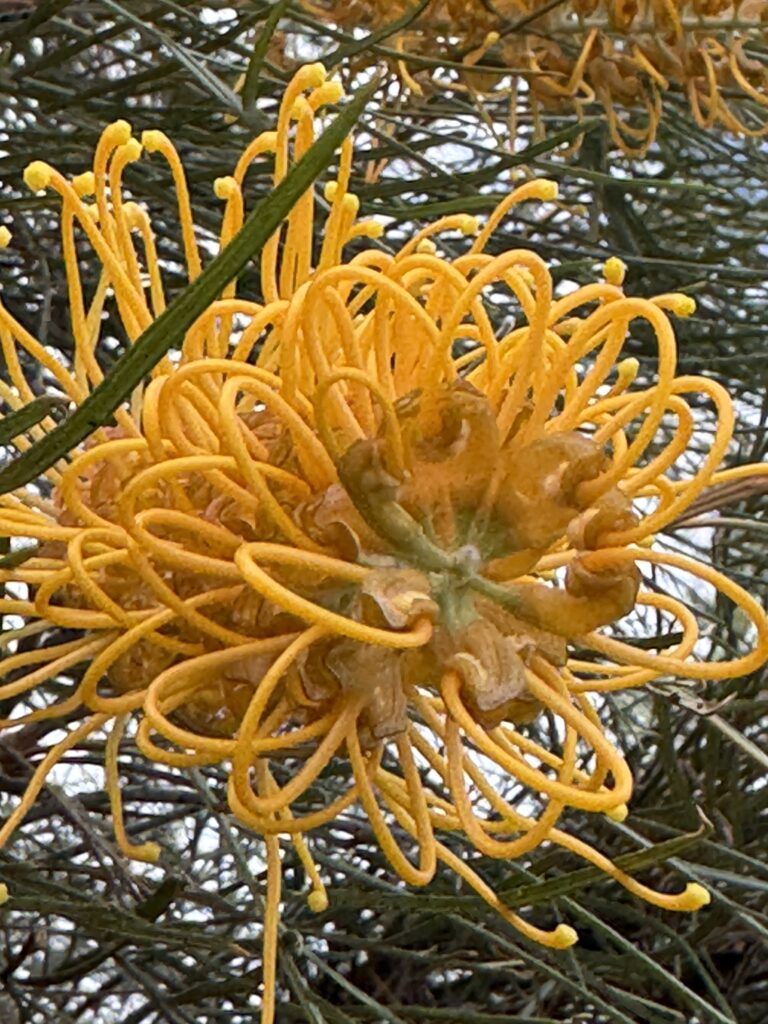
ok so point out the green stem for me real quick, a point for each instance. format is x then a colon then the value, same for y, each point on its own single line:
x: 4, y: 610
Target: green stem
x: 250, y: 88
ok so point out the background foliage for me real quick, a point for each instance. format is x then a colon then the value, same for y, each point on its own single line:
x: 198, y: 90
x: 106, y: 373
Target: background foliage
x: 89, y: 938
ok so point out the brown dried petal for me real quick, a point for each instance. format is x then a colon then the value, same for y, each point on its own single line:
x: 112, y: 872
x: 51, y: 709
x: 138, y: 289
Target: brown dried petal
x: 396, y: 597
x: 138, y: 666
x: 528, y: 639
x: 376, y: 671
x: 615, y: 592
x: 492, y: 672
x: 332, y: 520
x: 612, y: 511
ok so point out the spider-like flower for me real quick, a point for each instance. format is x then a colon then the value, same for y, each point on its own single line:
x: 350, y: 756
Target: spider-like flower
x: 351, y: 531
x: 624, y: 55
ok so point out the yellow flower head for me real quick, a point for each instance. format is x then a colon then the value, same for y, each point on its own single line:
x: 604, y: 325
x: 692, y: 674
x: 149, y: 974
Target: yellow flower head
x: 624, y: 55
x: 352, y: 517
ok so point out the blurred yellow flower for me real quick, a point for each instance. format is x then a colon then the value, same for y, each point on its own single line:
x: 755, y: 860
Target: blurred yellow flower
x: 624, y: 55
x: 352, y: 518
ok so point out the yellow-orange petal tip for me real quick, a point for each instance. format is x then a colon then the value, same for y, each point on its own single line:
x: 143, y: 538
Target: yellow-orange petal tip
x: 299, y: 108
x: 149, y: 852
x: 311, y: 76
x: 3, y: 893
x: 564, y: 936
x: 614, y: 271
x: 628, y: 367
x: 548, y: 190
x: 328, y: 92
x: 225, y: 188
x: 152, y: 140
x: 132, y: 213
x: 317, y: 901
x: 695, y: 897
x: 37, y: 175
x: 684, y: 306
x: 619, y: 813
x: 370, y: 229
x: 132, y: 149
x: 84, y: 184
x: 5, y: 237
x: 118, y: 133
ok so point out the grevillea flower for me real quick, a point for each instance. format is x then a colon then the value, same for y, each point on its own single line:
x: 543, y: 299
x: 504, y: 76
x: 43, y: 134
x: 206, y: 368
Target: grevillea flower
x: 350, y: 531
x: 624, y: 55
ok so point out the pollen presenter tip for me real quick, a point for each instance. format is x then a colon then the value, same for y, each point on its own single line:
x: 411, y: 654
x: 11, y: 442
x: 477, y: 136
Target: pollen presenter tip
x: 311, y: 76
x: 148, y: 852
x: 224, y: 188
x: 614, y: 271
x: 328, y: 93
x: 684, y: 306
x: 152, y: 140
x: 317, y: 901
x: 132, y: 150
x: 119, y: 132
x: 547, y: 190
x: 37, y: 176
x: 84, y: 184
x: 696, y: 896
x: 618, y: 814
x: 564, y: 937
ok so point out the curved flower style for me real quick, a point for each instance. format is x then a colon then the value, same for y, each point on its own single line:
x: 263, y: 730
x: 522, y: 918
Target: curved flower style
x: 352, y: 523
x: 624, y: 55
